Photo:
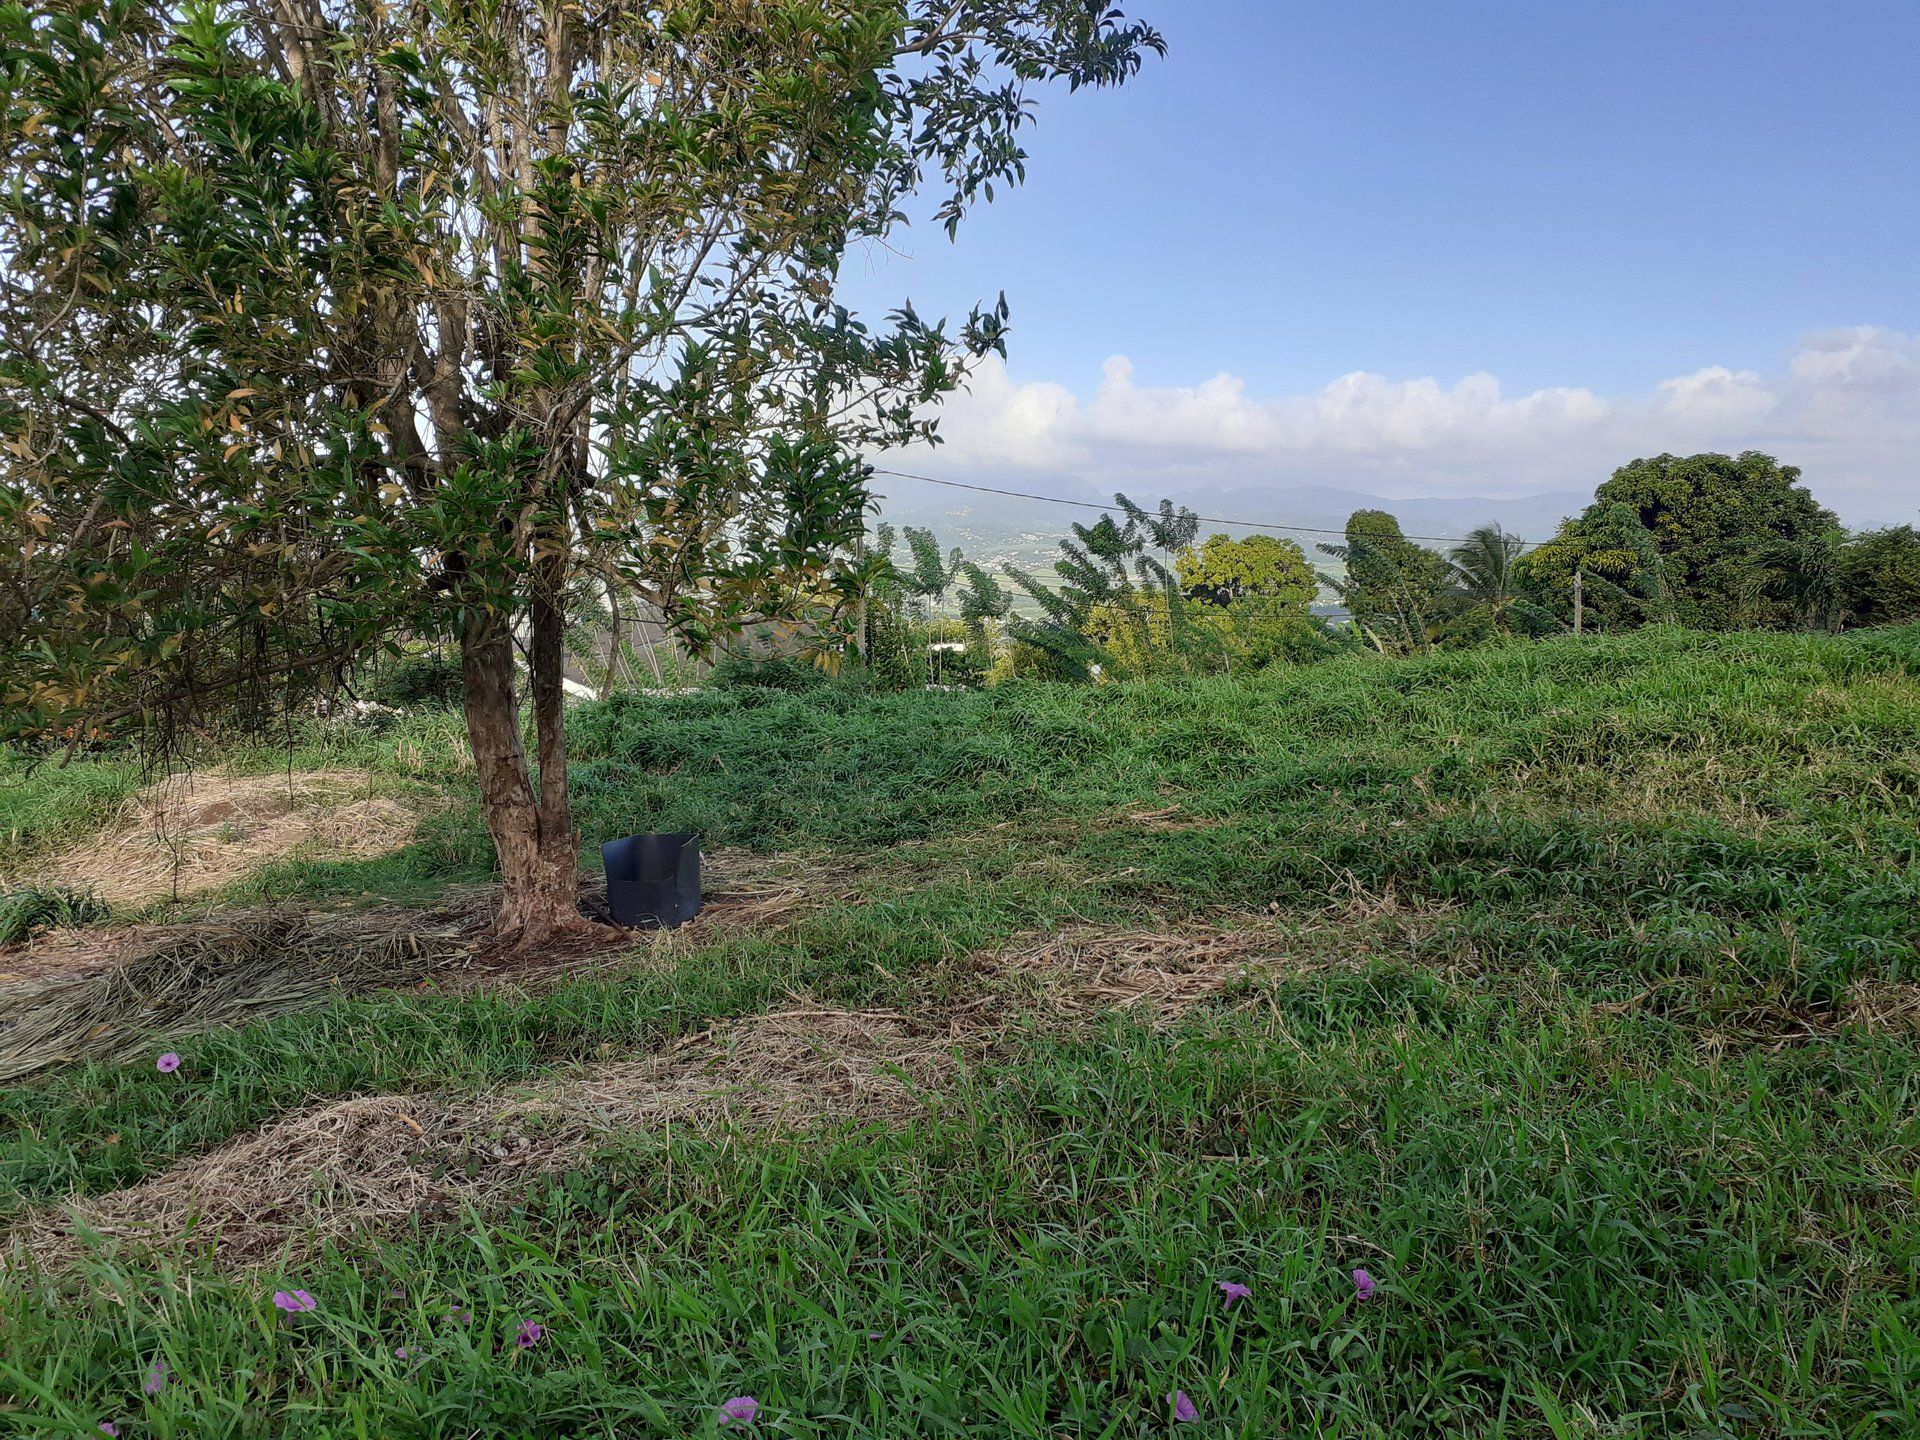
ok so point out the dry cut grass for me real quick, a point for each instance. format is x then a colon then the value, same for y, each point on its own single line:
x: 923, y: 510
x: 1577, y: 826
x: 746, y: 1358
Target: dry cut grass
x: 115, y: 989
x: 369, y: 1164
x: 196, y: 831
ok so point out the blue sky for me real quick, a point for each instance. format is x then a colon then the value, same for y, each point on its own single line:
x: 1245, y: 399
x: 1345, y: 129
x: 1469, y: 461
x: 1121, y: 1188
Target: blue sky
x: 1590, y: 198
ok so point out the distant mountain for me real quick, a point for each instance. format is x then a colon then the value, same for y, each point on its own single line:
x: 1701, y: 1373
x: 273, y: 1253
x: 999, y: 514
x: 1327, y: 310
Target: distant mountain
x: 997, y: 530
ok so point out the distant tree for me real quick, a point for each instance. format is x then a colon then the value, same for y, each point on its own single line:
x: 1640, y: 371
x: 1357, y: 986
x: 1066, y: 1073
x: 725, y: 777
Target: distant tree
x: 1808, y: 573
x: 1116, y: 602
x: 984, y: 607
x: 1484, y: 573
x: 1223, y: 570
x: 1719, y: 525
x: 902, y: 600
x: 1393, y: 588
x: 922, y: 583
x: 1623, y: 573
x: 1880, y: 579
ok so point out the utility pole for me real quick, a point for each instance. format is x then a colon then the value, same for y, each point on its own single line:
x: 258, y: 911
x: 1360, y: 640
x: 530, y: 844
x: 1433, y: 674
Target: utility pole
x: 1579, y: 588
x: 860, y: 608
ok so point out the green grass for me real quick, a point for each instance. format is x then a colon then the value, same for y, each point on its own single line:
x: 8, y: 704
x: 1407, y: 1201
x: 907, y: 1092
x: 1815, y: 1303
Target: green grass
x: 1573, y: 1063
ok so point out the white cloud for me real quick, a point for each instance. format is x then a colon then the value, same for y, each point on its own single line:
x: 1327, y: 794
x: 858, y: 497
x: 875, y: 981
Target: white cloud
x: 1846, y: 409
x: 1716, y: 398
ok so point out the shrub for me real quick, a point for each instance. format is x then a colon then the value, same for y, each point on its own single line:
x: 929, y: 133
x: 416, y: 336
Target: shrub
x: 779, y: 673
x: 417, y: 678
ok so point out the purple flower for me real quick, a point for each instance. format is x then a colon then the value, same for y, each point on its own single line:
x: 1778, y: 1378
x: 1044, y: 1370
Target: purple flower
x: 399, y: 1352
x: 296, y: 1302
x: 741, y: 1407
x: 156, y: 1375
x: 530, y: 1333
x: 167, y: 1063
x: 107, y: 1427
x: 460, y: 1313
x: 1234, y: 1291
x: 1362, y: 1285
x: 1184, y: 1410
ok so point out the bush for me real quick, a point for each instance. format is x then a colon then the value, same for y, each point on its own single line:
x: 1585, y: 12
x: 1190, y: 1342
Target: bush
x: 417, y: 678
x: 781, y: 673
x: 1263, y: 633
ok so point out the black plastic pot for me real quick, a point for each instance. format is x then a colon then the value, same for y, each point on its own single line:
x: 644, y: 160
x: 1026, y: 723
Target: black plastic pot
x: 653, y: 880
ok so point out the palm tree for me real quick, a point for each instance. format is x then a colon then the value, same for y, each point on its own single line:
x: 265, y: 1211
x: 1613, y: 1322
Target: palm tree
x: 1806, y: 572
x: 1482, y: 566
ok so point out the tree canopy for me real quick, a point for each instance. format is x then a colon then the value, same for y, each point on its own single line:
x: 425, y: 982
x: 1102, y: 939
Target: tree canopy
x: 1392, y: 587
x: 1116, y: 602
x: 1485, y: 572
x: 1712, y: 521
x: 1224, y: 569
x: 1880, y: 576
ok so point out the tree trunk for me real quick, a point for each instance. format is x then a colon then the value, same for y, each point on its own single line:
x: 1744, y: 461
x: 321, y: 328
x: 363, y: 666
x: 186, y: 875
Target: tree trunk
x: 532, y: 830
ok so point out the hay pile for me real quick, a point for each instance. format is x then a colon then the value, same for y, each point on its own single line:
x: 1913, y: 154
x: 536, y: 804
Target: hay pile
x: 94, y: 994
x: 196, y: 831
x: 373, y: 1163
x: 1161, y: 975
x: 242, y: 966
x: 748, y: 891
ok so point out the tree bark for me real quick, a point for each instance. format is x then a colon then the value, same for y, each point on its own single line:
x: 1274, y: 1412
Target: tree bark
x: 532, y: 829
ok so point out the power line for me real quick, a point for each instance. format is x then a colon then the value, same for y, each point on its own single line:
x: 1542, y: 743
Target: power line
x: 1203, y: 519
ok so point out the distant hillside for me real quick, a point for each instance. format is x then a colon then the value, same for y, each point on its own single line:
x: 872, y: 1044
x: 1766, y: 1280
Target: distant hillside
x: 997, y: 530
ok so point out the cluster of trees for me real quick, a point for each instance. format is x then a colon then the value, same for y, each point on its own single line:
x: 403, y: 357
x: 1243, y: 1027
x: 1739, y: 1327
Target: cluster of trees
x: 1133, y: 596
x: 1709, y: 541
x: 1714, y: 542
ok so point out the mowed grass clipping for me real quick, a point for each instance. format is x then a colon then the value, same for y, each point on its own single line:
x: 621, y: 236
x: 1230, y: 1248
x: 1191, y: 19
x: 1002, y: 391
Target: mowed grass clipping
x: 1593, y: 1035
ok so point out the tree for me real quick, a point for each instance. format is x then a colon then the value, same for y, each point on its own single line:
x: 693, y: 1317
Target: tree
x: 1623, y: 574
x: 1117, y: 605
x: 325, y: 323
x: 1713, y: 520
x: 1392, y: 587
x: 1808, y: 572
x: 1880, y: 576
x: 1483, y: 567
x: 907, y: 596
x: 1224, y: 570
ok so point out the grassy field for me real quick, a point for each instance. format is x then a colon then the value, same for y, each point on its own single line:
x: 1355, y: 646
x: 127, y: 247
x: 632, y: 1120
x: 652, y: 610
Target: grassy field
x: 1582, y: 1012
